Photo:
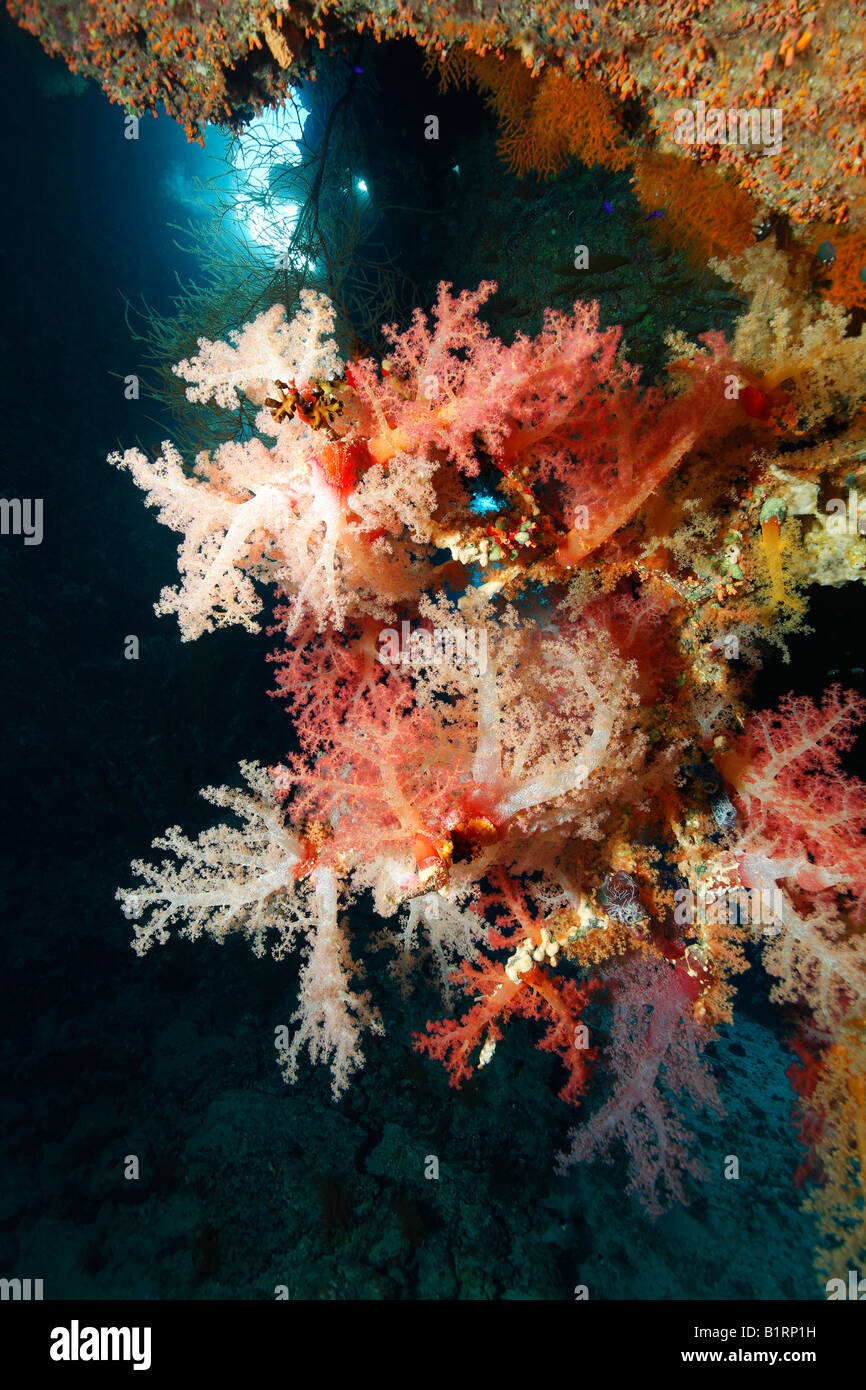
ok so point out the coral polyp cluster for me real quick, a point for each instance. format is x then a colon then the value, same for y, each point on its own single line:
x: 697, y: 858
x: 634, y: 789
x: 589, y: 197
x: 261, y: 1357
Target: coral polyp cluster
x: 519, y: 596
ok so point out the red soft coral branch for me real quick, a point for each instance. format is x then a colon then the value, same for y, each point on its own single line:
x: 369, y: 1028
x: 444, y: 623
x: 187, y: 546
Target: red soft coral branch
x: 323, y: 670
x: 381, y: 780
x: 563, y: 1004
x: 531, y: 995
x: 801, y: 810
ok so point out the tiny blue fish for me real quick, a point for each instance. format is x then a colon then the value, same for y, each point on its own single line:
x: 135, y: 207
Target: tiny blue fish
x: 651, y: 214
x: 608, y: 207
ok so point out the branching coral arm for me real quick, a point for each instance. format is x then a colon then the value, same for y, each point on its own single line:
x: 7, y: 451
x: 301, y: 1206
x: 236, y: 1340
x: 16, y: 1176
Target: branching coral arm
x: 572, y: 774
x: 227, y: 880
x: 487, y: 762
x: 562, y: 779
x: 215, y: 591
x: 218, y: 525
x: 581, y: 541
x: 331, y: 1017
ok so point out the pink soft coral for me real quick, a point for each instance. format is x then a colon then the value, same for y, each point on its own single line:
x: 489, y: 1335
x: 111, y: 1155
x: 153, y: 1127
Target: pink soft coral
x: 654, y: 1058
x: 346, y: 516
x: 805, y: 836
x: 561, y: 407
x: 801, y: 810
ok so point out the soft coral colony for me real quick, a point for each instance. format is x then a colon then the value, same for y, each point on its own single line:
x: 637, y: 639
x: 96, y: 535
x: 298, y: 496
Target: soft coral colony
x: 526, y: 738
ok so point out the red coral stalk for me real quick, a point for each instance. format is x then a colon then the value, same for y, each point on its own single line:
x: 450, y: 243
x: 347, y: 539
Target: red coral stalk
x: 503, y: 995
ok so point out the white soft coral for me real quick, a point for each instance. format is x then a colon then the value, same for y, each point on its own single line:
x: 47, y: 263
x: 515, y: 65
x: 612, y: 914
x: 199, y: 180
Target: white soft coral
x: 248, y: 880
x: 331, y: 1016
x: 264, y: 351
x: 228, y: 880
x: 303, y: 513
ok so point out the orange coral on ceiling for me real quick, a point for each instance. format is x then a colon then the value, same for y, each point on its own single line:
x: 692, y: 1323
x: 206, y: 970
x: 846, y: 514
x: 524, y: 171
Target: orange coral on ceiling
x: 569, y: 118
x: 201, y: 67
x: 703, y: 210
x: 833, y: 1103
x: 846, y: 272
x: 771, y: 56
x: 544, y: 121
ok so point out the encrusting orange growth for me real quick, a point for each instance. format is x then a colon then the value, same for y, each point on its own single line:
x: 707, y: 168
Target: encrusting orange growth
x: 199, y: 62
x: 833, y: 1104
x: 770, y: 534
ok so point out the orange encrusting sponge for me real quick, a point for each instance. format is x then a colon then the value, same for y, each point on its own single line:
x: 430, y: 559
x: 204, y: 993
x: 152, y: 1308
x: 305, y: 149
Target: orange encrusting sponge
x: 773, y: 551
